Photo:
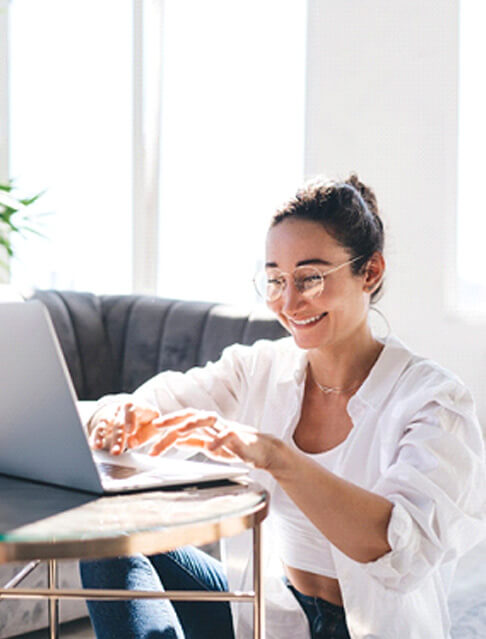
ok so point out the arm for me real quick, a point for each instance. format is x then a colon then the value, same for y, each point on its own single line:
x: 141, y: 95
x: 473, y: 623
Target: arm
x: 437, y: 484
x: 354, y: 520
x: 129, y: 420
x: 427, y: 507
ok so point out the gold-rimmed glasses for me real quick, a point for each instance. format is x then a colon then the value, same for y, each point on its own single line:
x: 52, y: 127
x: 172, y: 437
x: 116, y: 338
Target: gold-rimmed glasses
x: 308, y: 280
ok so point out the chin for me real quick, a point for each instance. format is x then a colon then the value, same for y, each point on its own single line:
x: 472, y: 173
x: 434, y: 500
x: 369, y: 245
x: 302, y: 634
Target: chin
x: 310, y: 340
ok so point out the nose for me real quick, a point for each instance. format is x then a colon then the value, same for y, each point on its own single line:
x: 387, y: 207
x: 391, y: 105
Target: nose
x: 291, y: 299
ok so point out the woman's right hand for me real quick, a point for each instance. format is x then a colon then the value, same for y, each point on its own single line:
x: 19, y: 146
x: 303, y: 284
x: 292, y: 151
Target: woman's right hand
x: 121, y: 426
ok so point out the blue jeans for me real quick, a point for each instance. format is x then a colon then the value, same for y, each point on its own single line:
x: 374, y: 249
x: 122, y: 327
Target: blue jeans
x: 183, y: 569
x: 326, y: 620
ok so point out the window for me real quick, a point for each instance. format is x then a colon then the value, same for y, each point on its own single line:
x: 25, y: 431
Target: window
x: 231, y: 139
x: 471, y: 226
x: 70, y: 133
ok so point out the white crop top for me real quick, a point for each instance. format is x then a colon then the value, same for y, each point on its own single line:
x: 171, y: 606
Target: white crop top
x: 299, y: 543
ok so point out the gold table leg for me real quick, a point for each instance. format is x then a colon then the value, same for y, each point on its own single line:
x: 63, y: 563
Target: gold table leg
x: 53, y: 603
x: 258, y: 606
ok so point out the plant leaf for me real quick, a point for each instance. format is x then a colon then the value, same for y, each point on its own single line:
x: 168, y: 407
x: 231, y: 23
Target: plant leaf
x: 31, y: 200
x: 6, y: 243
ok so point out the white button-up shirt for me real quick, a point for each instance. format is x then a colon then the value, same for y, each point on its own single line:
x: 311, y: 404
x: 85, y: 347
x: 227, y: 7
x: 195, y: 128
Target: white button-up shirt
x: 415, y: 440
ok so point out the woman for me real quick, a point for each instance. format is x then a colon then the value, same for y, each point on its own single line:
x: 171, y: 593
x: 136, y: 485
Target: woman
x: 372, y: 455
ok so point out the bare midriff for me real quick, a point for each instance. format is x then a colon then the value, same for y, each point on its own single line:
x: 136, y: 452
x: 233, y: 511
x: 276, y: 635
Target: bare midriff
x: 313, y: 585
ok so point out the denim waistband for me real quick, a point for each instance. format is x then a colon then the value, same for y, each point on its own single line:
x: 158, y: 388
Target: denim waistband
x: 322, y: 604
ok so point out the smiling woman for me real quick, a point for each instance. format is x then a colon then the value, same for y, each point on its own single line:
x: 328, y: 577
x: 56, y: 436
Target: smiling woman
x: 372, y: 455
x: 328, y: 232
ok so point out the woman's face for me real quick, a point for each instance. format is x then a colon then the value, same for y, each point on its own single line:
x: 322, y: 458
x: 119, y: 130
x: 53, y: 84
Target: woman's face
x: 339, y: 312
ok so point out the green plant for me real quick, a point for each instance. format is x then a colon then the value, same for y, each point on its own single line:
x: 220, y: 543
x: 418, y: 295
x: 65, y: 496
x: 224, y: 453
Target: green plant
x: 15, y: 218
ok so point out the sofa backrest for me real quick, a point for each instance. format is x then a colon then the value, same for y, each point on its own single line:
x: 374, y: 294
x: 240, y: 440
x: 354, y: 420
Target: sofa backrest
x: 113, y: 343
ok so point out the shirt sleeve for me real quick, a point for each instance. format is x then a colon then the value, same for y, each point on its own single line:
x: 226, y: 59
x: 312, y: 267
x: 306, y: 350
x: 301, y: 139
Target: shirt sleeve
x: 436, y: 483
x: 217, y: 386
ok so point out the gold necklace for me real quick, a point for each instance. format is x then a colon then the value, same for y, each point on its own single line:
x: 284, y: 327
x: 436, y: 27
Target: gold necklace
x: 332, y: 389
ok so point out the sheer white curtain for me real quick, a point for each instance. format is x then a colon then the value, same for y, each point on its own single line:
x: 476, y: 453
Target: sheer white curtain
x: 232, y: 139
x: 71, y: 134
x: 166, y: 132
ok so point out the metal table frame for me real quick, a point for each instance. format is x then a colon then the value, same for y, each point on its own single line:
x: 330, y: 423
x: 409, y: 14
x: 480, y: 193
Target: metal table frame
x: 148, y: 543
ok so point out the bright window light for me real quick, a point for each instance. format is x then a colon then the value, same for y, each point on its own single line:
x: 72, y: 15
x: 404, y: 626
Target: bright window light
x: 472, y: 142
x: 71, y: 134
x: 232, y: 139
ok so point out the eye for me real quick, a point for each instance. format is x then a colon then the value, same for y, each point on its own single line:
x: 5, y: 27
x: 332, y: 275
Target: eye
x: 312, y: 279
x: 309, y: 281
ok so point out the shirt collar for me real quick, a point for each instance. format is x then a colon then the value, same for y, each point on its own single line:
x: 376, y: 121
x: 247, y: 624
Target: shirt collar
x: 386, y: 371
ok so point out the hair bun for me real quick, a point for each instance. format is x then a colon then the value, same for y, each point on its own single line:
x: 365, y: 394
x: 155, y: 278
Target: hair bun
x: 366, y: 193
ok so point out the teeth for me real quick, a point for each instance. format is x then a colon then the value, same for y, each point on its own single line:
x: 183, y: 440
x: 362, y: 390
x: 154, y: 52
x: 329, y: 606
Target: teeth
x: 308, y: 321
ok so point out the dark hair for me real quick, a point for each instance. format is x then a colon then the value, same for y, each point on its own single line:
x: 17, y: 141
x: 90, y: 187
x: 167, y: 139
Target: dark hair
x: 348, y: 211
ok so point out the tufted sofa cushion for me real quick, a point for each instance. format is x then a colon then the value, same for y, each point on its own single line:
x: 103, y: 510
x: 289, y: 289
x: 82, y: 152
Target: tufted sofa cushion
x: 113, y: 343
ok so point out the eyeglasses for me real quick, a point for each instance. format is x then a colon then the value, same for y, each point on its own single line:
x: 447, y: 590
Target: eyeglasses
x: 308, y: 280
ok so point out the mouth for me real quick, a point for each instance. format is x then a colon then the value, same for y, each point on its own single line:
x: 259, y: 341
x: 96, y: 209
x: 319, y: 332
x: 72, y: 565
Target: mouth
x: 307, y: 322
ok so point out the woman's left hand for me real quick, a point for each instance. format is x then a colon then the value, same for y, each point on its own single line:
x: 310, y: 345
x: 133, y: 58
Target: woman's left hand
x: 217, y: 437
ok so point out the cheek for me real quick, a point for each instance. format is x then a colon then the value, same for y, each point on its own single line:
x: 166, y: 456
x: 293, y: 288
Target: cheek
x: 274, y: 307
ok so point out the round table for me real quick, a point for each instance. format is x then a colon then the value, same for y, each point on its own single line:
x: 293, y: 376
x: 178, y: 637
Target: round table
x: 40, y: 522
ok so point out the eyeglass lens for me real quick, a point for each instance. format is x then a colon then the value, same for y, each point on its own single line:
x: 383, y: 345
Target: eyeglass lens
x: 307, y: 280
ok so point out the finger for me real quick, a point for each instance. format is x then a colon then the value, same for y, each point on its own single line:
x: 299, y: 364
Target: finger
x: 129, y: 417
x: 200, y: 443
x: 142, y: 434
x: 230, y: 441
x: 170, y: 440
x: 118, y: 439
x: 145, y: 431
x: 182, y: 417
x: 98, y: 435
x: 144, y: 414
x: 200, y: 421
x: 164, y: 443
x: 222, y: 454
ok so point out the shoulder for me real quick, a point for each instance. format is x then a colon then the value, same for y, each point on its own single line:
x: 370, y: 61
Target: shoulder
x: 266, y: 353
x: 422, y: 384
x: 425, y: 376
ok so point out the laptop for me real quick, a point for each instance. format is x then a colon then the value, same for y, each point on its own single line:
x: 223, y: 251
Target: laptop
x: 42, y: 437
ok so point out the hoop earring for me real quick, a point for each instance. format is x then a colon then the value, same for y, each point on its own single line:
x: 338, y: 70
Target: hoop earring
x: 385, y: 320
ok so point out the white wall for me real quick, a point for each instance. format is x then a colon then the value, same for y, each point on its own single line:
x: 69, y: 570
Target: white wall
x: 382, y: 100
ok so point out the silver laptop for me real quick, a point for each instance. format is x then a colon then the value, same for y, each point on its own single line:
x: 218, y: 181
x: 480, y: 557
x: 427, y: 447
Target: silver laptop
x: 41, y: 434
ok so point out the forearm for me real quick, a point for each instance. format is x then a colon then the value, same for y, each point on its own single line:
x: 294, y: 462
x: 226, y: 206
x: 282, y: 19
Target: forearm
x: 354, y: 520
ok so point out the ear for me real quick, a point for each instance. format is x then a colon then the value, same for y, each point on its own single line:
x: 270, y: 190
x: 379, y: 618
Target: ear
x: 374, y: 272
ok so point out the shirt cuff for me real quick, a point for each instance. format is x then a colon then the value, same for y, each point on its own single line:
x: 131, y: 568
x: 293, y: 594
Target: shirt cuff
x: 396, y: 563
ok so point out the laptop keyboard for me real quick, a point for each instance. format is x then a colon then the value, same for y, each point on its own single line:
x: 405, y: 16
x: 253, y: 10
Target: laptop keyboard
x: 115, y: 471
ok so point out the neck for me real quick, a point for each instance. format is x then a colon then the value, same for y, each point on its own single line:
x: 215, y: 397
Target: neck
x: 346, y: 364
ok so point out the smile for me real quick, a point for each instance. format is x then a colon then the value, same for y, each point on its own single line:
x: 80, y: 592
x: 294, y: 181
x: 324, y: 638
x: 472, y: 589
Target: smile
x: 308, y: 321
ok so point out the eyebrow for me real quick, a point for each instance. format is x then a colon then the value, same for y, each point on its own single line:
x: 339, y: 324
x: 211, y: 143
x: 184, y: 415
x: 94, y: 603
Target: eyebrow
x: 315, y: 260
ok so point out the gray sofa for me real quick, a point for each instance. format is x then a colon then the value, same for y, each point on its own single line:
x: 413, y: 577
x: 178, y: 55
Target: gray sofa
x: 113, y: 344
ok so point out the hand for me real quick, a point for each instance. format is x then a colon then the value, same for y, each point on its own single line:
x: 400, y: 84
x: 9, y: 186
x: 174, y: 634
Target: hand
x: 217, y: 437
x: 122, y: 426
